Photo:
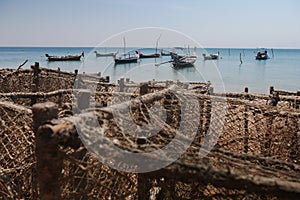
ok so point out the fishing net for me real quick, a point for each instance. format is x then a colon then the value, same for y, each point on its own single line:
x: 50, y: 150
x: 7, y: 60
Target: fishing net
x: 256, y: 156
x: 17, y: 159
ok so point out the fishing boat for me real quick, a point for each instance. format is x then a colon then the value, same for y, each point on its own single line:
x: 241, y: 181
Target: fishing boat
x: 175, y: 52
x: 185, y: 60
x: 152, y: 55
x: 211, y: 56
x: 105, y: 54
x: 65, y: 58
x: 181, y: 60
x: 262, y: 55
x: 126, y: 58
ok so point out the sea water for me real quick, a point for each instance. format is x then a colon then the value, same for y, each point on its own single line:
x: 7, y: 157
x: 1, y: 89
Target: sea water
x: 232, y: 72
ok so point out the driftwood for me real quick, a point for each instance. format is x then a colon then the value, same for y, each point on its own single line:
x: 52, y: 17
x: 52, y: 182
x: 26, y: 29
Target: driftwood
x: 22, y: 64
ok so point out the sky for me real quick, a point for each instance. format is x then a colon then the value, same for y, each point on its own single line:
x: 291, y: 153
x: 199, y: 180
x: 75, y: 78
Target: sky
x: 218, y: 23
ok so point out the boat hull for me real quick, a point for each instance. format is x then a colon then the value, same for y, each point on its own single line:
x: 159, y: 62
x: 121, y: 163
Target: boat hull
x: 262, y: 58
x: 125, y: 60
x: 63, y: 58
x: 106, y: 54
x: 187, y: 61
x: 155, y: 55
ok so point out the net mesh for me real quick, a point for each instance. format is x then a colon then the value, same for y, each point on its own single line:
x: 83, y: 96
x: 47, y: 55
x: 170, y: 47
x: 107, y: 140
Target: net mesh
x: 17, y: 152
x: 257, y: 140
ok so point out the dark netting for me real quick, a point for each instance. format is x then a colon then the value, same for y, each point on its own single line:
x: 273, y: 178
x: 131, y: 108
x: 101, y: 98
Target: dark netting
x: 17, y: 159
x: 256, y: 155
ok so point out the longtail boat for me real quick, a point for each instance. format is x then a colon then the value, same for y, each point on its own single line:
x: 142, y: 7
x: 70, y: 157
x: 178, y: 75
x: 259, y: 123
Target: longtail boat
x: 65, y: 58
x: 105, y: 54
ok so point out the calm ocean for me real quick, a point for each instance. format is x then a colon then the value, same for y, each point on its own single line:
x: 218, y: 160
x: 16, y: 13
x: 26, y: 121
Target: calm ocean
x: 281, y: 71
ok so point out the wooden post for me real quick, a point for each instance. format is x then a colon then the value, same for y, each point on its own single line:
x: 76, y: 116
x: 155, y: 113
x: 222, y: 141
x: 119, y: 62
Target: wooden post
x: 35, y: 83
x: 60, y: 100
x: 268, y: 134
x: 144, y: 186
x: 274, y: 98
x: 76, y: 73
x: 107, y: 79
x: 49, y: 163
x: 246, y: 132
x: 83, y: 101
x: 207, y: 116
x: 121, y: 85
x: 144, y: 89
x: 241, y: 58
x: 168, y: 187
x: 58, y: 72
x: 293, y: 128
x: 271, y: 89
x: 210, y: 90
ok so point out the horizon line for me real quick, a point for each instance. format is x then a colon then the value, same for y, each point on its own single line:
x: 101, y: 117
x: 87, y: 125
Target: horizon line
x: 211, y: 47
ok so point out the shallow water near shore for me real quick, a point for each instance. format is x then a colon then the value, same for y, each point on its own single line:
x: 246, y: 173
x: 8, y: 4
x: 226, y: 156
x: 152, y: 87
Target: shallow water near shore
x: 282, y: 70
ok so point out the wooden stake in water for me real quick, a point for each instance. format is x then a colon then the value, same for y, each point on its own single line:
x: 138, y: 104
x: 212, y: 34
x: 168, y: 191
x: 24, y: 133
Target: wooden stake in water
x: 241, y: 58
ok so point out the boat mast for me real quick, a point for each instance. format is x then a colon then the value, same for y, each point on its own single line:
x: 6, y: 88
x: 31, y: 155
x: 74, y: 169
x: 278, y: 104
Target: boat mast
x: 124, y: 45
x: 157, y: 43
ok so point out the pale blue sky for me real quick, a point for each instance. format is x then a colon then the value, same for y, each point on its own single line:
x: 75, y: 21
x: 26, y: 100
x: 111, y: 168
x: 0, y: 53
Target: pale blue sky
x: 217, y: 23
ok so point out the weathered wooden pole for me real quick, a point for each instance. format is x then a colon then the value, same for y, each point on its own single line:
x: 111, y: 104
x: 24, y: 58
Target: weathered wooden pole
x: 107, y: 79
x: 275, y: 98
x: 60, y: 99
x: 268, y: 134
x: 83, y: 100
x: 121, y: 84
x: 210, y: 90
x: 207, y: 115
x: 271, y: 89
x: 49, y: 162
x: 35, y: 83
x: 241, y: 58
x: 246, y: 132
x: 144, y: 88
x: 144, y: 186
x: 75, y: 77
